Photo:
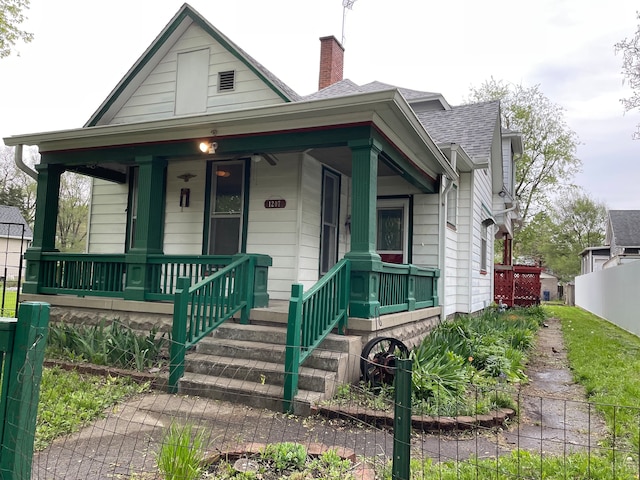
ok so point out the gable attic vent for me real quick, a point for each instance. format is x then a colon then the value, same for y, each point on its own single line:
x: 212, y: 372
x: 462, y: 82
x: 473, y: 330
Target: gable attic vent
x: 226, y: 81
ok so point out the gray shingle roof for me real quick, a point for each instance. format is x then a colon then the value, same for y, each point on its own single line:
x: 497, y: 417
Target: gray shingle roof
x: 471, y: 126
x: 347, y: 87
x: 625, y: 225
x: 12, y: 215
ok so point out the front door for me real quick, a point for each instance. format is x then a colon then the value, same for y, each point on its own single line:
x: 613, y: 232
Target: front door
x: 227, y: 206
x: 392, y: 243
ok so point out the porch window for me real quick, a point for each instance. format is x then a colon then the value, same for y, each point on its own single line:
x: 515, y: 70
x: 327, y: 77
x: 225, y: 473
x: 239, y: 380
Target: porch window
x: 227, y: 206
x: 392, y: 223
x: 330, y: 216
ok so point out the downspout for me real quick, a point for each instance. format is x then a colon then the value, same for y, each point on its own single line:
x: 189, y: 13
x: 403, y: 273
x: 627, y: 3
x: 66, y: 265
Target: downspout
x: 442, y: 234
x: 21, y: 165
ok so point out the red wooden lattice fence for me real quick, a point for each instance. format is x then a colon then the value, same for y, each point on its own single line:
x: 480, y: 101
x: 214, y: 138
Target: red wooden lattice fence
x: 517, y: 285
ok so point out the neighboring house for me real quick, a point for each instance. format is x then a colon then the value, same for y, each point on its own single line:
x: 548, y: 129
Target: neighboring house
x: 370, y: 173
x: 15, y: 236
x: 593, y: 259
x: 623, y: 237
x: 548, y: 287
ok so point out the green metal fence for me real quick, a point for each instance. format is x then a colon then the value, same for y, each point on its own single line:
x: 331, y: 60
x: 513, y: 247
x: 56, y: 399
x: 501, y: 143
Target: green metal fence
x: 312, y: 316
x: 201, y: 308
x: 22, y: 344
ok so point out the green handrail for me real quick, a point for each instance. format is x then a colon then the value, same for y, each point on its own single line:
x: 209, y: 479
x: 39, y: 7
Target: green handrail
x: 312, y: 316
x: 201, y: 308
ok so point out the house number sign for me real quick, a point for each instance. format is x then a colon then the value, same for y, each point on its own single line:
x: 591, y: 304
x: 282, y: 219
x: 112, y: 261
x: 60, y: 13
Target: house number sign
x: 275, y: 203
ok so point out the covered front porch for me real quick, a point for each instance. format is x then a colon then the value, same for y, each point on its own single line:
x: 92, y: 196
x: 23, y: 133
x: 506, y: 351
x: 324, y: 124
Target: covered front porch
x: 364, y: 143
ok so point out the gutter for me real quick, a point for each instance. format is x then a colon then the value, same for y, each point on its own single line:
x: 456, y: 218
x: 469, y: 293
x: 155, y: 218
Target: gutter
x: 21, y: 165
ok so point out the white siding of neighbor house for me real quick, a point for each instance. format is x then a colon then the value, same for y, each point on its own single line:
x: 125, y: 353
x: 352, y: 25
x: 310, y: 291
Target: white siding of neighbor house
x: 108, y: 217
x: 155, y: 98
x: 11, y: 251
x: 274, y: 231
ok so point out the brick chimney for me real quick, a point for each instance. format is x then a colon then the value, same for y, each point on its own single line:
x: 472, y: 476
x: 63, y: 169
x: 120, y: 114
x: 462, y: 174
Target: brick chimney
x: 331, y: 61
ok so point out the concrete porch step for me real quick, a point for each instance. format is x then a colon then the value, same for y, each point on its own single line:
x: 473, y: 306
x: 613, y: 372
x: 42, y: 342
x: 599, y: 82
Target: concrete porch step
x: 276, y: 335
x: 225, y: 347
x: 259, y: 371
x: 249, y: 393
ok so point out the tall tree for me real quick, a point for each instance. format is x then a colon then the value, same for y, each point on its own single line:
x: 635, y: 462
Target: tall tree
x: 630, y: 49
x: 555, y: 238
x: 549, y: 157
x: 11, y: 16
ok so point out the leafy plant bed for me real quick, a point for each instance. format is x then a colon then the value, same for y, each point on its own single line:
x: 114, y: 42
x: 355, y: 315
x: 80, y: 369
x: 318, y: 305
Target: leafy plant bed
x: 282, y: 461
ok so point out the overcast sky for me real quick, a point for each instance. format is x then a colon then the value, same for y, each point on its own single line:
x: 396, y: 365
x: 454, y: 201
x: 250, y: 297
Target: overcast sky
x: 83, y: 48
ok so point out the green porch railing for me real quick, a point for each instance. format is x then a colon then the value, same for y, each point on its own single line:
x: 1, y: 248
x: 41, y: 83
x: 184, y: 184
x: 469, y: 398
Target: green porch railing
x: 312, y: 316
x: 199, y: 309
x: 22, y: 344
x: 82, y: 274
x: 407, y: 287
x: 164, y: 271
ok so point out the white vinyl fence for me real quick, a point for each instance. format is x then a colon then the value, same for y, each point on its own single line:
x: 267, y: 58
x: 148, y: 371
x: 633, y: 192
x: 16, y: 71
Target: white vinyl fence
x: 613, y: 294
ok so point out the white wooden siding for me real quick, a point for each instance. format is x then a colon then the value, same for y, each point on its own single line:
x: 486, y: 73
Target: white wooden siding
x: 274, y: 231
x: 481, y: 294
x: 183, y: 226
x: 426, y: 230
x: 108, y: 218
x: 155, y: 98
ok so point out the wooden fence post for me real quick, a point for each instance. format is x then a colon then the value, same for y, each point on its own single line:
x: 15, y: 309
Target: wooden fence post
x: 23, y: 366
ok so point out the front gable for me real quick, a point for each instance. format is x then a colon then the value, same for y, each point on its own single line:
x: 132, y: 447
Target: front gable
x: 190, y: 68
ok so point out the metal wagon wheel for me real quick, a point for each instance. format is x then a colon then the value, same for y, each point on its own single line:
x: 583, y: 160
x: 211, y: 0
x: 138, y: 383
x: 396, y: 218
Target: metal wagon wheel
x: 378, y: 360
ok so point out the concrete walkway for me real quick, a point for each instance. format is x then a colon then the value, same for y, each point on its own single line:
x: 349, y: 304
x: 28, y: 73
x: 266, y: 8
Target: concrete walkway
x: 554, y: 419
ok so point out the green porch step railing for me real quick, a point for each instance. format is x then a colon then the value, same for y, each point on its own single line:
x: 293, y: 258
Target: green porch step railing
x: 199, y: 309
x: 407, y: 287
x: 312, y: 316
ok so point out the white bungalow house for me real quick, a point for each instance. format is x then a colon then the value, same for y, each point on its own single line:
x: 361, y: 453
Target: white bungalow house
x: 200, y: 156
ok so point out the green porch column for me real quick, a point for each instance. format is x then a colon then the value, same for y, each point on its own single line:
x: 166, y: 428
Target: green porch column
x: 149, y: 225
x: 365, y: 262
x: 44, y: 229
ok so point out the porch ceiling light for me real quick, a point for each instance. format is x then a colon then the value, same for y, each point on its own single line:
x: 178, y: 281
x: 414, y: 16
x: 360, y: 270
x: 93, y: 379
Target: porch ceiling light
x: 208, y: 147
x: 223, y: 173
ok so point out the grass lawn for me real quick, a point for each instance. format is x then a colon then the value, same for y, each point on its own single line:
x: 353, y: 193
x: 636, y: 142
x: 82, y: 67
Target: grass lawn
x: 9, y: 303
x: 604, y: 358
x: 70, y: 400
